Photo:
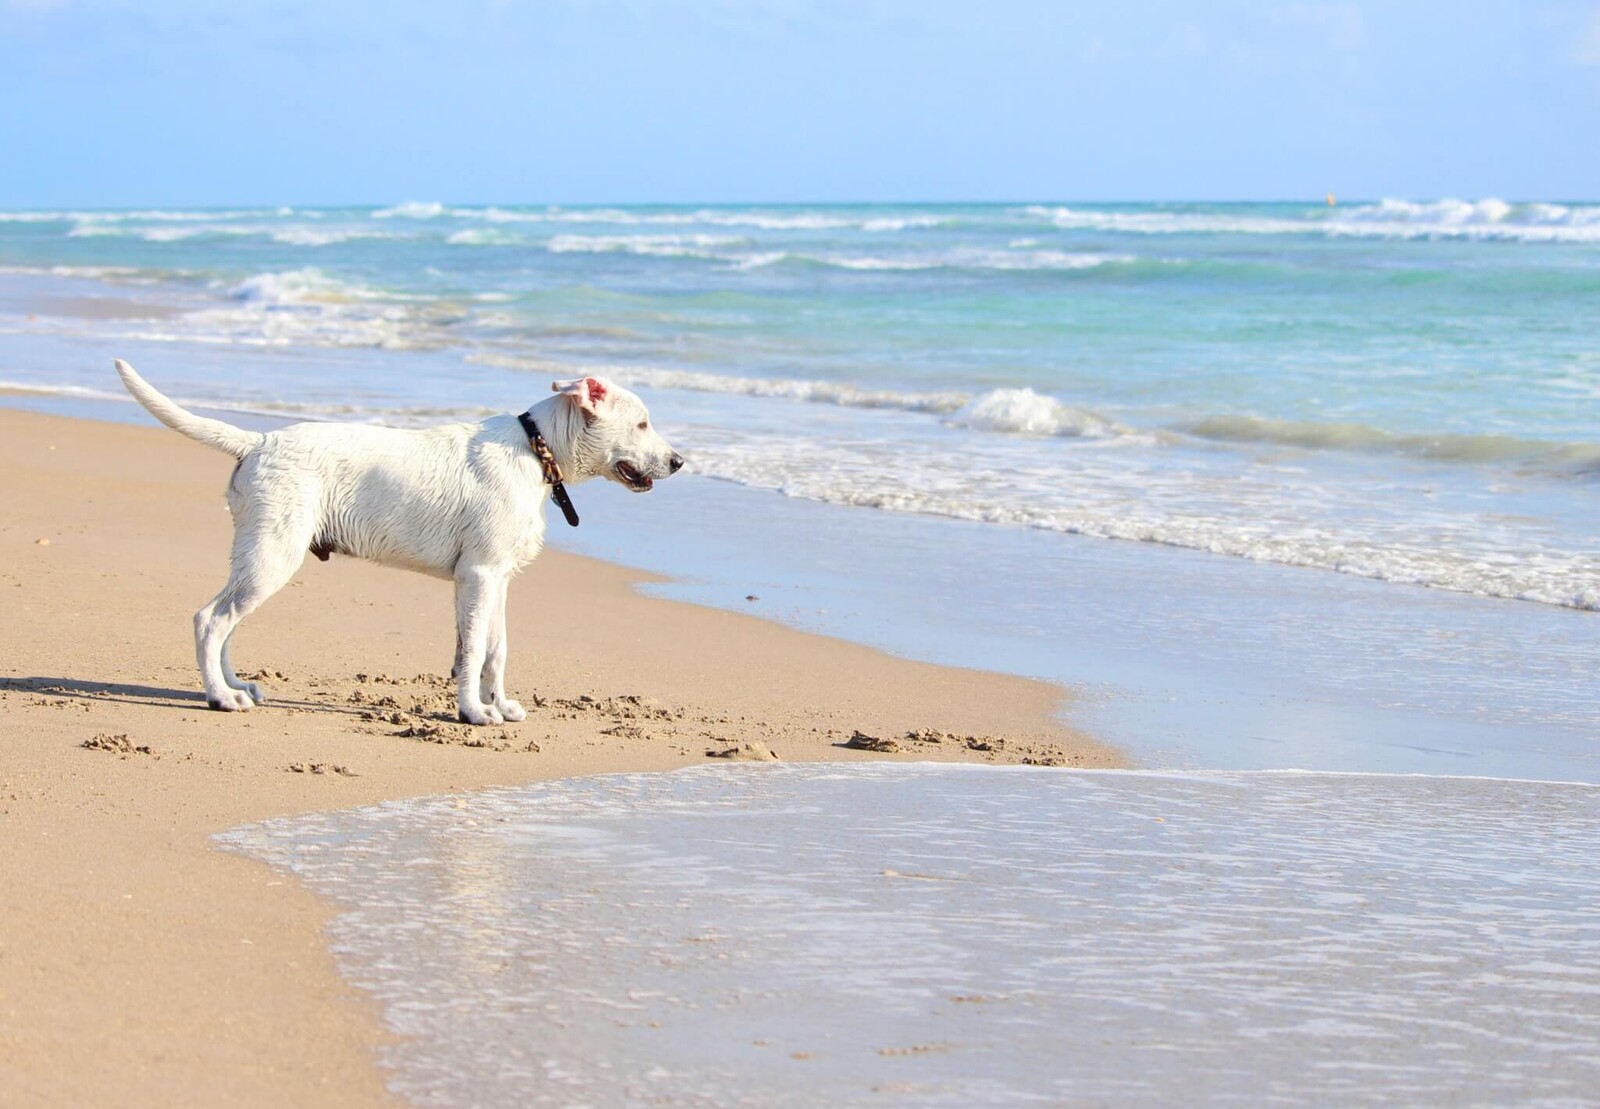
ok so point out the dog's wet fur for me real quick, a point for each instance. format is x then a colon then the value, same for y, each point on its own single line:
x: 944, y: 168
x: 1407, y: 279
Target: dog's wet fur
x: 461, y: 501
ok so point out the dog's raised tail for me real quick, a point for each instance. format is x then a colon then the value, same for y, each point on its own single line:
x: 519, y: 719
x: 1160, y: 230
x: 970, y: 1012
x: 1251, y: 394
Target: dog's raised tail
x: 213, y: 433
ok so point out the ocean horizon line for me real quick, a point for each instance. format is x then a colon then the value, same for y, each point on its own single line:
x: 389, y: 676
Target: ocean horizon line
x: 277, y: 203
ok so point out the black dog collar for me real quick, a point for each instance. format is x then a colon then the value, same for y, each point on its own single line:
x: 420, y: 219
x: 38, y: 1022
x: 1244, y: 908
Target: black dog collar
x: 552, y: 468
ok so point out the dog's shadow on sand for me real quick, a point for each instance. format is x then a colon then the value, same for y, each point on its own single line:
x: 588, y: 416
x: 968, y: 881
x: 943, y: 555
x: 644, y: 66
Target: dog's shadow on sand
x: 132, y: 693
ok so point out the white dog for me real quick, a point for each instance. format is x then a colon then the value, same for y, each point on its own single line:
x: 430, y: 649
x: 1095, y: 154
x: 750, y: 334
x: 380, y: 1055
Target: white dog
x: 463, y: 502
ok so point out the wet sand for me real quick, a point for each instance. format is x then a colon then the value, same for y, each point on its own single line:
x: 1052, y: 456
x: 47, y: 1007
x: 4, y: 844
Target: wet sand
x: 140, y: 965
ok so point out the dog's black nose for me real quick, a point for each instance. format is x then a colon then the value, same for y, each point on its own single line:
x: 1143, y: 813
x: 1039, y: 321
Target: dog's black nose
x: 675, y: 463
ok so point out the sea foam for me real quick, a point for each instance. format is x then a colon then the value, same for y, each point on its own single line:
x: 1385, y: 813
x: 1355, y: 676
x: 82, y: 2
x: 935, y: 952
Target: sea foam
x: 295, y: 287
x: 1490, y: 219
x: 938, y: 935
x: 666, y: 246
x: 844, y: 394
x: 411, y: 210
x: 1110, y: 488
x: 1029, y: 413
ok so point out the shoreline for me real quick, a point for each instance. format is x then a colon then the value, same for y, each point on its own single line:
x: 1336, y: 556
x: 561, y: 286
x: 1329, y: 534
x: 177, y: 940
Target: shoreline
x: 140, y: 962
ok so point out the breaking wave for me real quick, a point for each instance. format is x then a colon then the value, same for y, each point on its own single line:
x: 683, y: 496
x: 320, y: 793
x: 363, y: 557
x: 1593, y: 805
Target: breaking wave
x: 815, y: 392
x: 664, y: 246
x: 1152, y: 506
x: 1489, y: 219
x: 1013, y: 411
x: 411, y: 210
x: 484, y: 236
x: 144, y: 216
x: 1002, y: 260
x: 1441, y: 446
x: 107, y: 274
x: 1025, y: 412
x: 291, y: 235
x: 765, y: 220
x: 742, y: 254
x: 301, y: 286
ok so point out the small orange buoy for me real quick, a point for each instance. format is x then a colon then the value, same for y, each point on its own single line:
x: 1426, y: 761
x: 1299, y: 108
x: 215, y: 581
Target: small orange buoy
x: 1331, y: 200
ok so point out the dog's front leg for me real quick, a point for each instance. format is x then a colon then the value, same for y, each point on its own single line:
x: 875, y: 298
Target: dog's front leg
x: 475, y: 615
x: 493, y: 687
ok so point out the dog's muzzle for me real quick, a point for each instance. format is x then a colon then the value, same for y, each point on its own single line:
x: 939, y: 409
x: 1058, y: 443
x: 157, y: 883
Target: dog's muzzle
x: 641, y: 482
x: 634, y: 478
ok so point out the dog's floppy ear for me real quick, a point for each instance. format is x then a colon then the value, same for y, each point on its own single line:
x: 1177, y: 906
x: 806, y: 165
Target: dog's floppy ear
x: 588, y: 393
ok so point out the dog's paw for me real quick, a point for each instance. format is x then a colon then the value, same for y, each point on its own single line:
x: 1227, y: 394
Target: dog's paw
x: 479, y: 714
x: 512, y: 711
x: 253, y: 691
x: 231, y: 700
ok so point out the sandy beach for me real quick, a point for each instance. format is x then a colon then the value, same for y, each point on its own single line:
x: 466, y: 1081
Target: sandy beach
x: 139, y: 964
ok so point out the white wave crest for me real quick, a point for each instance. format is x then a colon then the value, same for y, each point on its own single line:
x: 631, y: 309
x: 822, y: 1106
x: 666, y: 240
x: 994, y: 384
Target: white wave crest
x: 663, y: 246
x: 89, y: 229
x: 773, y: 221
x: 307, y: 307
x: 411, y: 210
x: 1025, y: 412
x: 499, y: 215
x: 295, y: 287
x: 1459, y: 212
x: 763, y: 220
x: 1489, y: 219
x: 961, y: 259
x: 1468, y: 213
x: 761, y: 258
x: 325, y: 236
x: 1109, y: 498
x: 180, y: 233
x: 285, y: 308
x: 119, y: 274
x: 83, y: 392
x: 815, y: 392
x: 901, y: 223
x: 1168, y: 223
x: 1557, y: 457
x: 1012, y: 411
x: 159, y: 215
x: 294, y: 235
x: 484, y: 236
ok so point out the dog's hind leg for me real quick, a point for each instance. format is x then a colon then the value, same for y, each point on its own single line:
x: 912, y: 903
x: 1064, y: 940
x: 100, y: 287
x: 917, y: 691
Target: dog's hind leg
x: 476, y: 590
x: 493, y: 685
x: 262, y: 564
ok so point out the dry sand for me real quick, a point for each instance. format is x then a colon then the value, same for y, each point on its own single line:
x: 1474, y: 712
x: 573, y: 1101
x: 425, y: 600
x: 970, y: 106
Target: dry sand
x: 139, y: 965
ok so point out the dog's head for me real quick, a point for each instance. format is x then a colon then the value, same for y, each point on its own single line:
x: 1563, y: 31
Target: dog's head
x: 611, y: 435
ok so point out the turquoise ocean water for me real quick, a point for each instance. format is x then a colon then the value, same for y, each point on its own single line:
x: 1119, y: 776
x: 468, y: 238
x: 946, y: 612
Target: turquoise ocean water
x: 1409, y: 392
x: 1348, y: 453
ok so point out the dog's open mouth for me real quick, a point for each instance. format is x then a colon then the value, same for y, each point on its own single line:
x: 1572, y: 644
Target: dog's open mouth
x: 633, y: 479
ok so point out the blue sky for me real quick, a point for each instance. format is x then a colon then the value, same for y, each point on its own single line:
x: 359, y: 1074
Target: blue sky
x: 170, y: 102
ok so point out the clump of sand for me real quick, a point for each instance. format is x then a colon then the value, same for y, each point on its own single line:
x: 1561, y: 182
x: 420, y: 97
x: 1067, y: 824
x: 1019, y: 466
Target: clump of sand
x: 118, y: 744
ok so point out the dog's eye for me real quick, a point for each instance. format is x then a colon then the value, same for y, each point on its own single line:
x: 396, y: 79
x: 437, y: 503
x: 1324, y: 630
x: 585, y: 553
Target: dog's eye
x: 644, y: 425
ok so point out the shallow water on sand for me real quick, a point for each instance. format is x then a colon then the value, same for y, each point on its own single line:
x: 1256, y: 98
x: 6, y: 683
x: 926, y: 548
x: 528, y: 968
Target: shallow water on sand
x: 926, y: 934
